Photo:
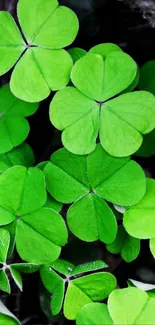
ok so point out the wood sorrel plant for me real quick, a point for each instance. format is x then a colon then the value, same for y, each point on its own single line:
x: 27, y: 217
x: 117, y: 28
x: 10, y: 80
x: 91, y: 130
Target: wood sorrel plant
x: 89, y: 180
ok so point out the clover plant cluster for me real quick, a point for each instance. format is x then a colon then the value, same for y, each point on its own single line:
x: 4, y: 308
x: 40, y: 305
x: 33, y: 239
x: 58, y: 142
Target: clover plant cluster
x: 91, y: 188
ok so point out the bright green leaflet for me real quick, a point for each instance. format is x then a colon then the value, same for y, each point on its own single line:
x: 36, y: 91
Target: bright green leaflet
x: 147, y: 77
x: 4, y: 244
x: 6, y: 317
x: 67, y: 268
x: 85, y: 289
x: 73, y: 109
x: 125, y: 245
x: 76, y: 53
x: 42, y: 23
x: 131, y: 306
x: 88, y: 180
x: 139, y: 220
x: 22, y: 155
x: 4, y: 282
x: 93, y: 287
x: 94, y: 314
x: 14, y: 128
x: 22, y: 196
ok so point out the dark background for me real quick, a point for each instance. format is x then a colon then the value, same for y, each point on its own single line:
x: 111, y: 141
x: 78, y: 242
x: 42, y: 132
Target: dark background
x: 100, y: 21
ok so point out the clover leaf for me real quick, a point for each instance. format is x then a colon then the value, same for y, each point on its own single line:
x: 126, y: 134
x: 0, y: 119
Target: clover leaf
x: 22, y: 197
x: 131, y: 306
x: 76, y: 53
x: 139, y: 219
x: 89, y: 181
x: 22, y: 155
x: 94, y: 314
x: 125, y: 245
x: 120, y: 122
x: 14, y: 128
x: 47, y: 28
x: 80, y: 291
x: 6, y: 317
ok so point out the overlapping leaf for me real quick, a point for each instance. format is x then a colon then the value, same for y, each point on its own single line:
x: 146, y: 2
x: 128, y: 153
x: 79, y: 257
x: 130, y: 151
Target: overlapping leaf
x: 22, y: 197
x: 94, y: 314
x: 47, y: 28
x: 14, y: 128
x: 131, y: 306
x: 89, y: 181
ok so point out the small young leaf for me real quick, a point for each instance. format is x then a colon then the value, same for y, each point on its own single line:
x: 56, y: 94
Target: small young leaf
x: 4, y: 244
x: 94, y: 314
x: 6, y: 317
x: 139, y: 220
x: 14, y: 128
x: 105, y: 49
x: 63, y: 267
x: 4, y: 282
x: 22, y: 155
x: 131, y: 306
x: 25, y: 267
x: 94, y: 287
x: 53, y: 204
x: 127, y: 246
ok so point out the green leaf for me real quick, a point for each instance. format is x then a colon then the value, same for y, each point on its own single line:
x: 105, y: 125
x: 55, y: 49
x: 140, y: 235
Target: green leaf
x: 55, y: 285
x: 94, y: 314
x: 76, y: 53
x: 11, y: 43
x: 147, y: 148
x: 94, y: 287
x: 17, y: 278
x: 124, y: 244
x: 22, y: 155
x: 27, y: 268
x: 131, y: 306
x: 96, y: 222
x: 79, y: 112
x: 126, y: 115
x: 43, y: 27
x: 33, y: 70
x: 17, y: 194
x: 6, y: 317
x: 14, y: 128
x: 89, y: 267
x: 4, y: 282
x: 147, y: 77
x: 105, y: 49
x: 53, y: 204
x: 4, y: 244
x: 108, y: 77
x: 32, y: 229
x: 139, y: 220
x: 63, y: 267
x: 11, y: 228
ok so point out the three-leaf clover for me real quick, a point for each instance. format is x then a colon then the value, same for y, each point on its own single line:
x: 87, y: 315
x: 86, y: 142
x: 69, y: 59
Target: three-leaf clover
x: 88, y: 181
x: 22, y: 155
x: 131, y: 306
x: 40, y: 232
x: 125, y: 245
x: 42, y: 64
x: 14, y: 128
x: 81, y: 290
x: 15, y: 269
x: 86, y: 110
